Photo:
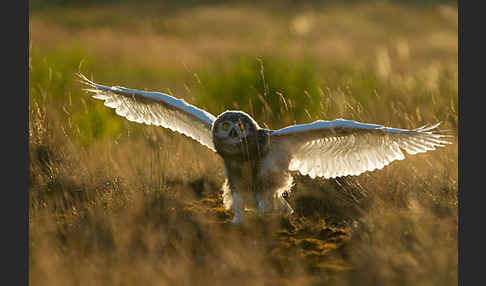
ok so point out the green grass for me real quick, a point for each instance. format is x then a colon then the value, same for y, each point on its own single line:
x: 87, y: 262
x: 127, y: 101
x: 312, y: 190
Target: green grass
x: 273, y: 89
x: 118, y: 203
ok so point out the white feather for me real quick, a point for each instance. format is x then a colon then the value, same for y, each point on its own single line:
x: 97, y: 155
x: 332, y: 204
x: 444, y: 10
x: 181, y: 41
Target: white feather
x: 156, y: 108
x: 341, y: 147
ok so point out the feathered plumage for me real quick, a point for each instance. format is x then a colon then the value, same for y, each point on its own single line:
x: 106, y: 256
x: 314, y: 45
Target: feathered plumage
x: 258, y: 161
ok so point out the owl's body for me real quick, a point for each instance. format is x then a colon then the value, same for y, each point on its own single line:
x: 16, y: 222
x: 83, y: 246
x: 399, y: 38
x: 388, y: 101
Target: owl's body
x: 258, y: 162
x: 256, y: 171
x: 256, y: 184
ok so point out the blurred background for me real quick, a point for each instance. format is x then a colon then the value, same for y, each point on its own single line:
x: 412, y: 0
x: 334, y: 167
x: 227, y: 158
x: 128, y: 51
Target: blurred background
x: 117, y: 203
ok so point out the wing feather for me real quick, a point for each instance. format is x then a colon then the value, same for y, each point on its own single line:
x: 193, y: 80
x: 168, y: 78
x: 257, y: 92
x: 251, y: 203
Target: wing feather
x: 157, y: 109
x: 341, y: 147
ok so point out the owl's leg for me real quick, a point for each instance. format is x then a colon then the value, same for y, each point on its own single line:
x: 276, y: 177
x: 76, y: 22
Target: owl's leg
x: 284, y: 205
x: 237, y: 207
x: 281, y: 195
x: 227, y: 196
x: 232, y: 201
x: 261, y: 202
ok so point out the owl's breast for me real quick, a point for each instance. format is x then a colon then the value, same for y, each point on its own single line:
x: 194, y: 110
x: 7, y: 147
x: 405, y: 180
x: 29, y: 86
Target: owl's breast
x: 242, y: 175
x: 252, y: 148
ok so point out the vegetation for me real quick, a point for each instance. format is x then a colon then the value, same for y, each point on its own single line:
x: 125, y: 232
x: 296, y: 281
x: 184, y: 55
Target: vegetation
x: 118, y: 203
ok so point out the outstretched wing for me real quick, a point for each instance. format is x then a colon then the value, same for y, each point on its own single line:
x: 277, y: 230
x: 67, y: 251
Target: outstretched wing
x: 341, y: 147
x: 156, y: 108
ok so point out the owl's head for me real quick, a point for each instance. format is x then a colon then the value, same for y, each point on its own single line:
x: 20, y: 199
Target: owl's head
x: 234, y: 132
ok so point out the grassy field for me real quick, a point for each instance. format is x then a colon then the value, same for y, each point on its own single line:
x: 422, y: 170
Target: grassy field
x: 118, y: 203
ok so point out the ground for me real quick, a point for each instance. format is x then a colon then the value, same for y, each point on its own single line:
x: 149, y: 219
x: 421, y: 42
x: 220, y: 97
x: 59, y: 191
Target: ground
x: 113, y: 202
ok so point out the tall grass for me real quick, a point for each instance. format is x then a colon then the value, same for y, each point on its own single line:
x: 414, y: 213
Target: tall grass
x: 119, y: 203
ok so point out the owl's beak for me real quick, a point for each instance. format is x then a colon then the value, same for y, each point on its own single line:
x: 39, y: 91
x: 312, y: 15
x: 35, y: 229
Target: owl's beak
x: 233, y: 133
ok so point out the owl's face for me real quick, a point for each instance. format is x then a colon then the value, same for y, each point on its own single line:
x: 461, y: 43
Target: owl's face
x: 233, y: 131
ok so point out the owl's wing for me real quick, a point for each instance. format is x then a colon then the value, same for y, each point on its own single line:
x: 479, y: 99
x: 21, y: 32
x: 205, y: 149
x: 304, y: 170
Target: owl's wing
x: 341, y: 147
x: 156, y: 108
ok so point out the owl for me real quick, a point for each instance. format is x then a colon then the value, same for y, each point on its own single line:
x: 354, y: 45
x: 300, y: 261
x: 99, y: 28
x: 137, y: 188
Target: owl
x: 258, y: 162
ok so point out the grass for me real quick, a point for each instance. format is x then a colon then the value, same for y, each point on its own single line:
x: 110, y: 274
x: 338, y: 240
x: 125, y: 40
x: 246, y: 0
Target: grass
x: 118, y: 203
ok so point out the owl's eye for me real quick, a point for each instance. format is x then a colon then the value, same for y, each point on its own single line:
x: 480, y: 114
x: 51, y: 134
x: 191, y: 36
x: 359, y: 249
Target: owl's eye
x: 226, y: 126
x: 242, y: 126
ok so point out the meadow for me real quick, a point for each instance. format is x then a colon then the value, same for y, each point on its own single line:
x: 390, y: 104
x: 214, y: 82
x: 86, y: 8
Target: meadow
x: 112, y: 202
